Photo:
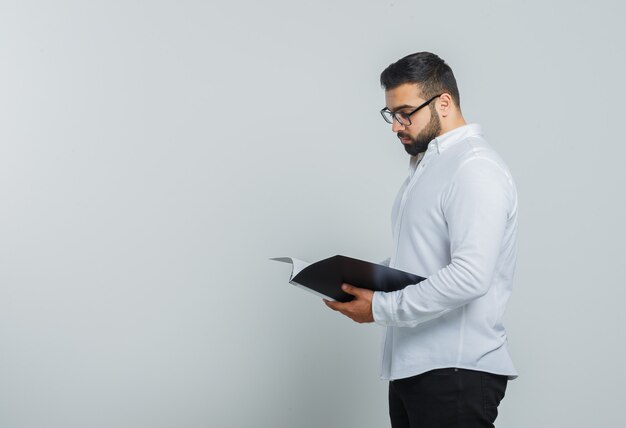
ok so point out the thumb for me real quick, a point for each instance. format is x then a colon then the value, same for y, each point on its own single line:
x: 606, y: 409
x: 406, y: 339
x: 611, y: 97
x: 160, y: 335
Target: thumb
x: 351, y: 289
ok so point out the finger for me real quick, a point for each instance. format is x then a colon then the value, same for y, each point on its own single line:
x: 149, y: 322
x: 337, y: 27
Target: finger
x: 351, y: 289
x: 335, y: 306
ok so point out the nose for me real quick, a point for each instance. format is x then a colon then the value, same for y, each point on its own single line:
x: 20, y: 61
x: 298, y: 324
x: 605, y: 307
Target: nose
x: 396, y: 126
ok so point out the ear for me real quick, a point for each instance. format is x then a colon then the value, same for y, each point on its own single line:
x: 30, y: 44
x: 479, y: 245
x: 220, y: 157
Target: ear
x: 445, y: 104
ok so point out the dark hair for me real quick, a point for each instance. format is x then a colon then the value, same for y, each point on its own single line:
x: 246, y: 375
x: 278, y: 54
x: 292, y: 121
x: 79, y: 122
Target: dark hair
x: 430, y: 72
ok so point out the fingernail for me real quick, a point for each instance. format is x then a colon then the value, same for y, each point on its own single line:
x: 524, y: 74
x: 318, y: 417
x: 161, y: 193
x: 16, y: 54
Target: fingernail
x: 344, y: 287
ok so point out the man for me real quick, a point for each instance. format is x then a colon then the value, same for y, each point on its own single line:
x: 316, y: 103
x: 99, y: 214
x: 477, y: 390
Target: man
x: 454, y: 222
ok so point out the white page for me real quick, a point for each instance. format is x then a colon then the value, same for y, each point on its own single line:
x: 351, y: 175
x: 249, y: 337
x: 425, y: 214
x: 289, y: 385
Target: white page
x: 296, y: 264
x: 296, y: 267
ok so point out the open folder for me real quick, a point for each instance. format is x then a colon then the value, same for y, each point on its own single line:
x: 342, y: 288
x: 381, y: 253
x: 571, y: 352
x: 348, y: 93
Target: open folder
x: 324, y: 278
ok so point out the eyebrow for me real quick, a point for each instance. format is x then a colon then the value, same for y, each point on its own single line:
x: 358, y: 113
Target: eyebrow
x: 403, y: 106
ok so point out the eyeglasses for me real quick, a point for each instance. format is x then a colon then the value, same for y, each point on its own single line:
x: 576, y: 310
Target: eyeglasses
x: 403, y: 119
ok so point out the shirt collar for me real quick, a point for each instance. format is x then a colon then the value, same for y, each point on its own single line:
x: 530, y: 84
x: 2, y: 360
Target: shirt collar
x: 454, y: 136
x: 445, y: 141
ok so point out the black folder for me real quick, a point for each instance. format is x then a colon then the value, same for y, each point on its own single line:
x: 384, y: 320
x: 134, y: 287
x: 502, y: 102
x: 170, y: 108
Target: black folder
x: 325, y: 277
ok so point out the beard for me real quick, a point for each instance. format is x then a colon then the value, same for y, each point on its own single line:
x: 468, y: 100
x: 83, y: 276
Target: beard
x: 419, y: 143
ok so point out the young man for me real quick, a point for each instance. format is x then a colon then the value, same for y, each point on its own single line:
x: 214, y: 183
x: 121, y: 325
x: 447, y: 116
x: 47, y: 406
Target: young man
x: 454, y: 222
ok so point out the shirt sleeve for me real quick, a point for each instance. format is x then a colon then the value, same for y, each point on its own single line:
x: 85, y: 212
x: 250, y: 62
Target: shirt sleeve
x: 476, y: 206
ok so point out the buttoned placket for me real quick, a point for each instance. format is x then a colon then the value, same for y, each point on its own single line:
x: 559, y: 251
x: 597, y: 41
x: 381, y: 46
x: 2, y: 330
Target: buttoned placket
x: 415, y: 173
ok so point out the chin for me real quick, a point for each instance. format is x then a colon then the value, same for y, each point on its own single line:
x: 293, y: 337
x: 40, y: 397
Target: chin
x: 414, y: 150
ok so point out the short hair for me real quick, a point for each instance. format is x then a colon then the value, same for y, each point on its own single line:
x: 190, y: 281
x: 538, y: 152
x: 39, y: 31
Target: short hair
x: 430, y: 72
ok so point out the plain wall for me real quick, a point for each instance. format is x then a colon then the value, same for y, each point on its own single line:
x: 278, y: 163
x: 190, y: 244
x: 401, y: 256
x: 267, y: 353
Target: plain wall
x: 154, y: 155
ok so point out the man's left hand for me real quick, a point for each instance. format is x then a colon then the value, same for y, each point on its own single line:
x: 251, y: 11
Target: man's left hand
x: 359, y: 309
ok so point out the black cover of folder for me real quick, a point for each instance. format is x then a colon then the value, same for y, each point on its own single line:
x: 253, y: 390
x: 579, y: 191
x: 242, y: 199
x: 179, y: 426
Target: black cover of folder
x: 326, y: 276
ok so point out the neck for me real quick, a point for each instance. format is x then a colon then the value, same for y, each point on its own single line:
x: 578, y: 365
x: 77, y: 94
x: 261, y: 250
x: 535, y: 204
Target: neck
x: 452, y: 123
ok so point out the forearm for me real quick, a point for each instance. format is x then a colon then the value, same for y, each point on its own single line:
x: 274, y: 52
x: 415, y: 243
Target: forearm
x: 449, y: 288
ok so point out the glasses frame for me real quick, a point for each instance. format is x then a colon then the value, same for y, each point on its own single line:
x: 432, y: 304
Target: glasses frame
x: 404, y: 116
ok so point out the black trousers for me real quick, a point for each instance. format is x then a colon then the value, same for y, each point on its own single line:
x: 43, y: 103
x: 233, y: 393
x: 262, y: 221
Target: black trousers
x: 450, y: 398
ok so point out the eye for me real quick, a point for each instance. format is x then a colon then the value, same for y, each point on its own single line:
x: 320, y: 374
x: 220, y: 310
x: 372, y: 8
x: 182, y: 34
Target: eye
x: 402, y: 114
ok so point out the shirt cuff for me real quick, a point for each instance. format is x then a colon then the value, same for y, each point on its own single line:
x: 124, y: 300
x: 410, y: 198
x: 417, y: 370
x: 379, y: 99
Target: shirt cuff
x: 382, y: 308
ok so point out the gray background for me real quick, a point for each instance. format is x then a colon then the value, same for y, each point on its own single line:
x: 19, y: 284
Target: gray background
x: 154, y: 155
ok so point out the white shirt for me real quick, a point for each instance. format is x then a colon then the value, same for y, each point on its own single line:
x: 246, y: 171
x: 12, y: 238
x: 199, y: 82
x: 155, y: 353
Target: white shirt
x: 454, y: 222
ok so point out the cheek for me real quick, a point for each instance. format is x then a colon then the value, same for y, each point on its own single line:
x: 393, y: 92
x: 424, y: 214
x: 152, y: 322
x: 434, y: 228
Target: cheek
x: 420, y: 121
x: 414, y: 129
